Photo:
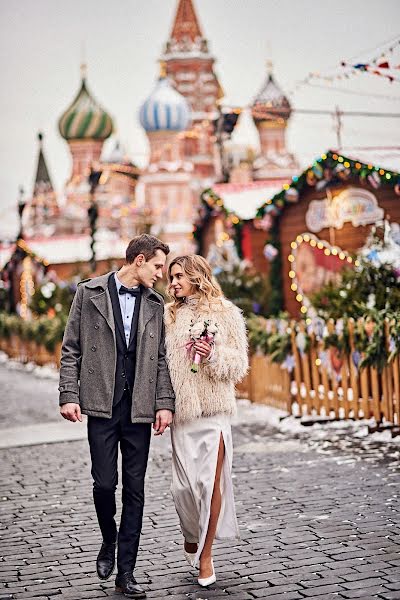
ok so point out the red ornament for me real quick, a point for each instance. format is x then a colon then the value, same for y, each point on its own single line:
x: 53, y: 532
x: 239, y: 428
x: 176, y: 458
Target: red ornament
x: 336, y: 359
x: 311, y: 178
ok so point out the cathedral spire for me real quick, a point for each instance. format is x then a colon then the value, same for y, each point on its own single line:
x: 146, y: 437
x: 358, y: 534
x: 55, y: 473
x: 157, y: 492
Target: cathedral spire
x: 186, y: 24
x: 42, y: 179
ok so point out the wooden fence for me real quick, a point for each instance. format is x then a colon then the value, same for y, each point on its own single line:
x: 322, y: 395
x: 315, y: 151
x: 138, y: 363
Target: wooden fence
x: 266, y: 383
x: 29, y: 351
x: 338, y: 390
x: 311, y: 389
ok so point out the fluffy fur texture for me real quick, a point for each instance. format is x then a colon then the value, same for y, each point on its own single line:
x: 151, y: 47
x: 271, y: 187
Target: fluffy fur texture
x: 211, y: 390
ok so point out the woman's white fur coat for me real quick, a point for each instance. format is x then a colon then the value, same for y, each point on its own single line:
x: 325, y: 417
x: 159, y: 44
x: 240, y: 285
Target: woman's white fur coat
x: 210, y: 391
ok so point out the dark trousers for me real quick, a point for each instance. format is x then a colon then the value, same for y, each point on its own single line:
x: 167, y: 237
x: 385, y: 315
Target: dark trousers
x: 134, y: 440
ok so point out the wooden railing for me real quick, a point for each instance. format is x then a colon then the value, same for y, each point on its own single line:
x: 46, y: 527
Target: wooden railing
x: 313, y: 389
x: 266, y: 383
x: 26, y: 351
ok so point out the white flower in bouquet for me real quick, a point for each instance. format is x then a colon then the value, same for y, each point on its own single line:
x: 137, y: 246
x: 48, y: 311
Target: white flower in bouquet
x: 203, y: 330
x: 197, y: 329
x: 212, y: 328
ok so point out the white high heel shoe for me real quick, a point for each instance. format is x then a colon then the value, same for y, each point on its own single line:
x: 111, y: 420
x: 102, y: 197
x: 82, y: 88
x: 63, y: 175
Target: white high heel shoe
x: 206, y: 581
x: 189, y: 557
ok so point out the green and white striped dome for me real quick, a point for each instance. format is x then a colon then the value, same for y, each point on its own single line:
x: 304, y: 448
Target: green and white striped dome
x: 85, y: 119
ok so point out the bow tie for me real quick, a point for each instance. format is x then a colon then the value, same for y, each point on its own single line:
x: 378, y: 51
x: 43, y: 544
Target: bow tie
x: 131, y: 291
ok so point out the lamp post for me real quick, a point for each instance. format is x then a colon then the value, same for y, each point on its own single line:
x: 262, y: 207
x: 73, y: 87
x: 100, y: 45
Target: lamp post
x: 21, y: 207
x: 224, y: 124
x: 93, y: 212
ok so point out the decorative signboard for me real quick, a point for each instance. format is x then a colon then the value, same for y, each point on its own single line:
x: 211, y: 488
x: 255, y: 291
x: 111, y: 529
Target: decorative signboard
x: 314, y: 263
x: 353, y: 205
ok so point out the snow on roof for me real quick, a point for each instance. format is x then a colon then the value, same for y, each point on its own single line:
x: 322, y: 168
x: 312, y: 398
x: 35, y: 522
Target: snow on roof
x: 380, y: 156
x: 6, y: 251
x: 244, y: 199
x: 76, y: 248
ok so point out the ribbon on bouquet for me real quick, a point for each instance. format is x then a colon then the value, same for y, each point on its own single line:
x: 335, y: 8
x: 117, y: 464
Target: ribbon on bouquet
x: 197, y: 357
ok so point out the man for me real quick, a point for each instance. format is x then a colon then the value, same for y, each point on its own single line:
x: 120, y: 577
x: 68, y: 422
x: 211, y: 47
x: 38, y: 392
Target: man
x: 113, y: 369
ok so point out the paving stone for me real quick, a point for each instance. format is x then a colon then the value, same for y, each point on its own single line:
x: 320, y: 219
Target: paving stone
x: 312, y: 525
x: 363, y: 593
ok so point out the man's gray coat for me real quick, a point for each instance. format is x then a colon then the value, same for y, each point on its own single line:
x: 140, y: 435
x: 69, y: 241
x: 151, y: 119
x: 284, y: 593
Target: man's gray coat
x: 88, y: 360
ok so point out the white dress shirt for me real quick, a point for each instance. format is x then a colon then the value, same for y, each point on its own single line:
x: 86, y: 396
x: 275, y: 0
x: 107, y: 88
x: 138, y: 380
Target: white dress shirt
x: 127, y: 304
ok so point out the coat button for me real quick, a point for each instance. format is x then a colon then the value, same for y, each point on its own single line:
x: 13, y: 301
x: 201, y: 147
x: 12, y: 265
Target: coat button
x: 152, y: 357
x: 151, y: 379
x: 123, y: 374
x: 151, y: 334
x: 91, y: 371
x: 94, y: 348
x: 96, y: 326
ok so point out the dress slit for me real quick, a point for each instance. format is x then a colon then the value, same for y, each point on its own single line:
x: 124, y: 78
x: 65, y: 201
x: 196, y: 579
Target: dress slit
x: 194, y: 465
x: 204, y: 529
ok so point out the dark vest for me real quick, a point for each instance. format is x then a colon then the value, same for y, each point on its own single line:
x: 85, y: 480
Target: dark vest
x: 126, y: 355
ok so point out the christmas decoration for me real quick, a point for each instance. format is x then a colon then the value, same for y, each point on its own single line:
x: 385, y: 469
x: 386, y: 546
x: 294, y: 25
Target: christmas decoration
x: 312, y: 262
x: 291, y: 195
x: 371, y: 287
x: 265, y: 223
x: 211, y: 206
x: 246, y: 288
x: 335, y: 167
x: 270, y: 251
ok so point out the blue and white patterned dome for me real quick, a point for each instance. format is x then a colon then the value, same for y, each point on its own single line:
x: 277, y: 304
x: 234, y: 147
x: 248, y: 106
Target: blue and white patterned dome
x: 165, y: 109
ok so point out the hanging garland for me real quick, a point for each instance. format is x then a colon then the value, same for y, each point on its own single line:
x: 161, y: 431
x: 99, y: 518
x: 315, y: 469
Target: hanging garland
x: 211, y: 205
x: 329, y: 170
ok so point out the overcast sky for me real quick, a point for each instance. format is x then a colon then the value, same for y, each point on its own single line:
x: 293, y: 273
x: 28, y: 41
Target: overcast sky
x: 41, y: 48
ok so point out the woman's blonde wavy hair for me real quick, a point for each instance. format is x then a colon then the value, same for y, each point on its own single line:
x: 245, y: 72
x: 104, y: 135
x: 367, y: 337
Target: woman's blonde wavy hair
x: 199, y: 273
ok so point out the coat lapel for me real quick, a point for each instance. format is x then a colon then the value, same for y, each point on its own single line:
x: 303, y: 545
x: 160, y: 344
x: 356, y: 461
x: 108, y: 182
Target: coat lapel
x: 148, y: 307
x: 116, y: 306
x: 102, y: 302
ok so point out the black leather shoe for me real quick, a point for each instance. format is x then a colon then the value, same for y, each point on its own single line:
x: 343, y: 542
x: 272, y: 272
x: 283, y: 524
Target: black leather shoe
x: 126, y: 583
x: 105, y: 562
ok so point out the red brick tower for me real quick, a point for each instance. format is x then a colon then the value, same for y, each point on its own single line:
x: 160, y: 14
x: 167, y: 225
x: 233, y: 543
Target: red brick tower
x: 190, y: 66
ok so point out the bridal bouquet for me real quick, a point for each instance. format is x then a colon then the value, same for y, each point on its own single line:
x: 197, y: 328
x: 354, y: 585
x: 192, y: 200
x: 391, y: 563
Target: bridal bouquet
x: 201, y: 330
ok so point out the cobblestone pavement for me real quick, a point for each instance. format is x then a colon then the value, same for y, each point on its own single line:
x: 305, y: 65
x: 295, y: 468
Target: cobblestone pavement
x: 318, y: 520
x: 25, y: 399
x: 318, y: 511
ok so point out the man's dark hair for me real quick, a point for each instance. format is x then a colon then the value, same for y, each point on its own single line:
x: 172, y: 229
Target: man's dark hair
x: 144, y: 244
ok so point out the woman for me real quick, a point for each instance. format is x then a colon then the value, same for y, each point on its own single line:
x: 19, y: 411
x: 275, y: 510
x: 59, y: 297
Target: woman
x: 203, y: 374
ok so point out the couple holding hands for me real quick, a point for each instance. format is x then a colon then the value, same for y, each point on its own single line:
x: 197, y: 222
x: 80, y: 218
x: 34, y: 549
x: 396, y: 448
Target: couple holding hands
x: 130, y: 363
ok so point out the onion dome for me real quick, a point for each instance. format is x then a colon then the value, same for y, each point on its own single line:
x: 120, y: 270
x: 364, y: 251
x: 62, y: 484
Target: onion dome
x: 85, y: 119
x: 271, y: 103
x: 165, y: 109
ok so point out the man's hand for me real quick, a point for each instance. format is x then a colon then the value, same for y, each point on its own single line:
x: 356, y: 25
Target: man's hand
x: 163, y: 420
x: 71, y: 411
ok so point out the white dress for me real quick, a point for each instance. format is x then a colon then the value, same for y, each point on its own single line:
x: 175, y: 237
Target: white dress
x: 195, y: 447
x: 205, y: 402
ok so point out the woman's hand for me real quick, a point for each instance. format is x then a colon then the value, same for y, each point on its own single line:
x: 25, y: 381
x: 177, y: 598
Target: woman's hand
x: 202, y: 348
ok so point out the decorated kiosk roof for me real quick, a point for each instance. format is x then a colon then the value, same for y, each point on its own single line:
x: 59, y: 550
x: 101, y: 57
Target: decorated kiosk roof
x: 329, y: 170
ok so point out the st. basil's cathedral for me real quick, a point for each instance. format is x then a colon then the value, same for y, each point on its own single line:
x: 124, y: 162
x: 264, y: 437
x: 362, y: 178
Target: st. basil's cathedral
x: 188, y: 153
